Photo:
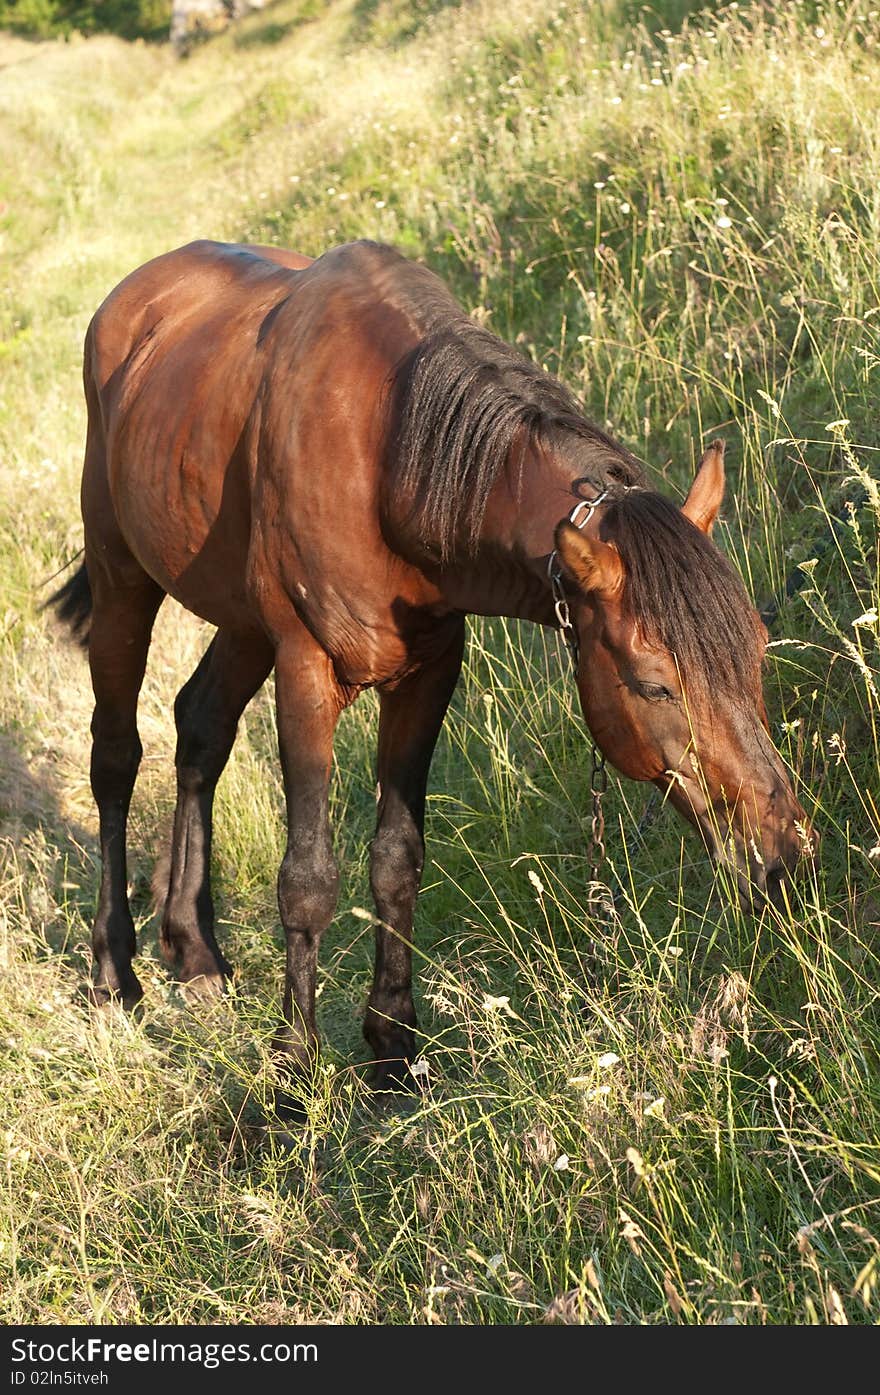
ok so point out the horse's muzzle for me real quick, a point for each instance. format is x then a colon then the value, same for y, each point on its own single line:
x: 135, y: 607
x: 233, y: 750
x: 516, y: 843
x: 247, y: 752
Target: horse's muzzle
x: 768, y: 880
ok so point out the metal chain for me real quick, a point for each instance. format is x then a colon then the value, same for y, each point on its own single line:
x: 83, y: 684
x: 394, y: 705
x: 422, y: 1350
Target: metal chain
x: 598, y: 786
x: 600, y: 899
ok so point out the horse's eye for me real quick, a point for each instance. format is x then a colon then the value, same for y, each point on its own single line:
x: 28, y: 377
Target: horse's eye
x: 655, y: 692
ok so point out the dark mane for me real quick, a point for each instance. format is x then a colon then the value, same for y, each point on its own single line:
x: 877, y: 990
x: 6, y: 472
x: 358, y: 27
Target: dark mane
x: 464, y: 406
x: 683, y: 592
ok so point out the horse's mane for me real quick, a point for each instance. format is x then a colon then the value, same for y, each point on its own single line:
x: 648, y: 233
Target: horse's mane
x: 465, y: 405
x: 683, y: 592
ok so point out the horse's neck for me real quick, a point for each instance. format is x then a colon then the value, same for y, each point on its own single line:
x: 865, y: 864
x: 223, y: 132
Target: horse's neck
x: 508, y: 573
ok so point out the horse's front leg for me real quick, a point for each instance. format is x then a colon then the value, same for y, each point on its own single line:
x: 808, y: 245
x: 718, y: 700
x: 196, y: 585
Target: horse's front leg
x: 411, y: 715
x: 308, y: 701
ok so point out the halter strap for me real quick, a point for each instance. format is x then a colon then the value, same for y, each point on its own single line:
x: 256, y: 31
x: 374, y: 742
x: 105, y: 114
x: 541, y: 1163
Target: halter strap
x: 554, y: 574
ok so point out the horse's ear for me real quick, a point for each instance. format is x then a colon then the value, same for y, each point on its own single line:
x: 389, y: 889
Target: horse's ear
x: 592, y: 565
x: 707, y: 491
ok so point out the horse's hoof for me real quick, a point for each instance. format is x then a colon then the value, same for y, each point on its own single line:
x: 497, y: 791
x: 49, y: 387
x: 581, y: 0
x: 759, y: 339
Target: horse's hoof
x: 203, y: 988
x: 398, y: 1080
x: 291, y: 1114
x: 395, y: 1081
x: 392, y: 1077
x: 108, y: 1000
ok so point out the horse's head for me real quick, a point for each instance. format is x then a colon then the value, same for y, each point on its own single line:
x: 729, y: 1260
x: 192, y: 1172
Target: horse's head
x: 669, y: 673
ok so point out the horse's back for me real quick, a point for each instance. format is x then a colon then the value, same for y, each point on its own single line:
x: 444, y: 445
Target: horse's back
x: 203, y: 280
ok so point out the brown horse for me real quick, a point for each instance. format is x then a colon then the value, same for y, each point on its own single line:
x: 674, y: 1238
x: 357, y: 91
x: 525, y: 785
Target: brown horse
x: 332, y: 464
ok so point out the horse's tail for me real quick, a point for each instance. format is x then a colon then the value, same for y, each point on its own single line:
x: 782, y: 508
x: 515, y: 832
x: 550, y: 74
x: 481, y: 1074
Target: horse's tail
x: 72, y: 603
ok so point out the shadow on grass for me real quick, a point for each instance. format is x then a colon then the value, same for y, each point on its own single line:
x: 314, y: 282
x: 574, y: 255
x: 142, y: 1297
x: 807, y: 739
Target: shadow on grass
x: 47, y: 856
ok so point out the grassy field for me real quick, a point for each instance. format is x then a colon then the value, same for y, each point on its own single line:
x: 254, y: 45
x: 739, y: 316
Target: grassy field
x: 671, y: 1119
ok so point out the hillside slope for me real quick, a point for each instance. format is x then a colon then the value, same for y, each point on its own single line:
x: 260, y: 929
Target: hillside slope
x: 678, y: 213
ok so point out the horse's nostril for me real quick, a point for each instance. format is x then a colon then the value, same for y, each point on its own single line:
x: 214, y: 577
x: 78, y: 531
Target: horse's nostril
x: 775, y: 877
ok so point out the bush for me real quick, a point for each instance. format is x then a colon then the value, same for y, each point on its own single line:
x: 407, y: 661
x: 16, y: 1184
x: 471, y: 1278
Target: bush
x: 131, y: 19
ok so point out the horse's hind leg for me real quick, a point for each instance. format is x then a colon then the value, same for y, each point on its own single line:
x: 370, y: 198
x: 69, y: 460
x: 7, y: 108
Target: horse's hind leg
x: 207, y: 711
x: 119, y: 638
x: 411, y: 716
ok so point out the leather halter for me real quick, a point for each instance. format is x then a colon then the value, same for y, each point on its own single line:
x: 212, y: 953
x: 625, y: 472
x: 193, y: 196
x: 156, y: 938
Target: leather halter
x: 554, y: 574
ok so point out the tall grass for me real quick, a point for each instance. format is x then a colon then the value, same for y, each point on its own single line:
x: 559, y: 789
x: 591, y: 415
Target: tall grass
x: 669, y: 1117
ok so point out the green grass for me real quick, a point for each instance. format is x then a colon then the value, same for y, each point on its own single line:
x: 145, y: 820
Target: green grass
x: 670, y: 1118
